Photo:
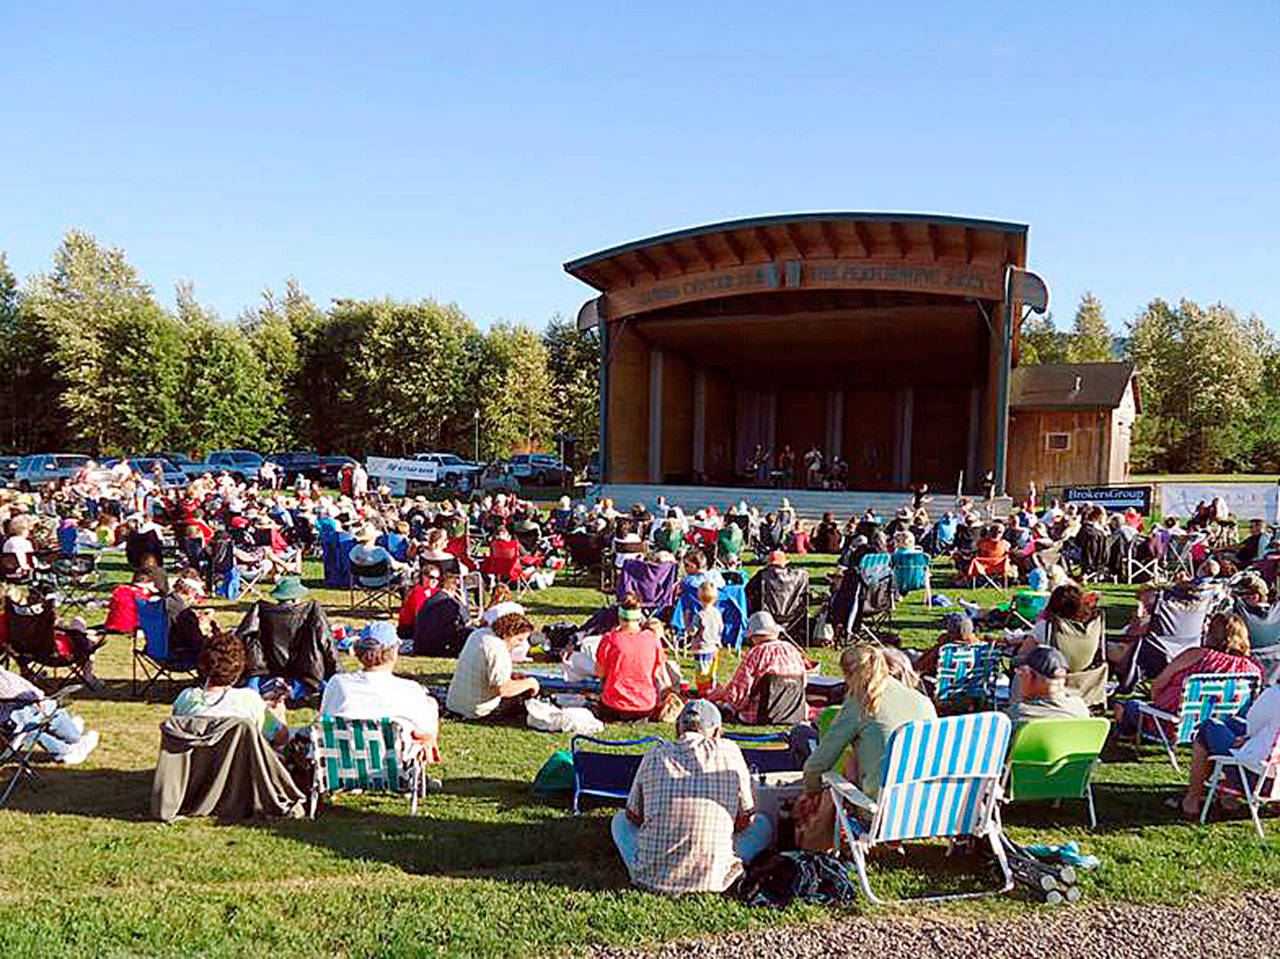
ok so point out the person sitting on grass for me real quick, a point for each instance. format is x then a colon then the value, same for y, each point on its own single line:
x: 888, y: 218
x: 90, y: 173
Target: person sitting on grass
x: 24, y: 704
x: 428, y: 585
x: 771, y: 654
x: 690, y: 821
x: 1040, y: 689
x: 957, y: 630
x: 375, y: 692
x: 630, y: 663
x: 221, y: 666
x: 483, y: 684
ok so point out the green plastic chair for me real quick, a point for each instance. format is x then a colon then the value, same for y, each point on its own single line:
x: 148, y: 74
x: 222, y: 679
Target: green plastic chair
x: 1054, y: 759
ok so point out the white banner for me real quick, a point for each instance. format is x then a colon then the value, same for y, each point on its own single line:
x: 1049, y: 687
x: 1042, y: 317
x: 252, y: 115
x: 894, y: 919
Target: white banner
x: 397, y: 474
x: 1246, y: 500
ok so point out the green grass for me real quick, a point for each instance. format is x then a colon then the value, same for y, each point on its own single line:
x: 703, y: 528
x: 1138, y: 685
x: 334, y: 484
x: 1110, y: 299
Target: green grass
x: 487, y: 869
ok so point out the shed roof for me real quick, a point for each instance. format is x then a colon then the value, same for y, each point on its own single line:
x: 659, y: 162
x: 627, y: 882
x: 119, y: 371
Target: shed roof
x: 1070, y: 386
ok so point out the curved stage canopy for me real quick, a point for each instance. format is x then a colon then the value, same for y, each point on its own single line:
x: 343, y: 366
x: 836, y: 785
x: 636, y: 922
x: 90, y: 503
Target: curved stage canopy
x: 871, y: 336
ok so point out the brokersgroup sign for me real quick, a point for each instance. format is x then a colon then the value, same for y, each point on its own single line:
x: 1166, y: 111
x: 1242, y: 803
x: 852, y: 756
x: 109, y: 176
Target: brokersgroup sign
x: 958, y: 279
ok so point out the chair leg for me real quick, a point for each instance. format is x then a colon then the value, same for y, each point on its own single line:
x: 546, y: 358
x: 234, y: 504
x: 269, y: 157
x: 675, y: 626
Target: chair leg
x: 1088, y: 795
x: 1211, y: 793
x: 1253, y: 801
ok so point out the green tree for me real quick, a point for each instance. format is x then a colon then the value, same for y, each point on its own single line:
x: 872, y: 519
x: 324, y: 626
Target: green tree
x: 30, y: 415
x: 276, y: 329
x: 103, y: 324
x: 513, y: 391
x: 1040, y: 341
x: 573, y: 362
x: 1090, y: 340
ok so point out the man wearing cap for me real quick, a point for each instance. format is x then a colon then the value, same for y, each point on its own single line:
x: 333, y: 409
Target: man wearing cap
x: 1040, y: 689
x: 376, y: 693
x: 771, y: 654
x: 690, y: 822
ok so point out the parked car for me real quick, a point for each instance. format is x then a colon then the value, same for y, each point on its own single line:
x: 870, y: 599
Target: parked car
x: 498, y: 478
x: 45, y: 468
x: 330, y: 467
x: 243, y: 465
x: 146, y: 466
x: 9, y: 468
x: 181, y: 460
x: 541, y: 469
x: 452, y: 470
x: 293, y: 465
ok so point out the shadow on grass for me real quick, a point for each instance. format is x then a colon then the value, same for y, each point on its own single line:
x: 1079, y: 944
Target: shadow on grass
x: 122, y: 794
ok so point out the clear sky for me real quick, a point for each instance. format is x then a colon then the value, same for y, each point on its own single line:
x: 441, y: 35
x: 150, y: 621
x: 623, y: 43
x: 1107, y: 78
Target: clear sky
x: 465, y: 151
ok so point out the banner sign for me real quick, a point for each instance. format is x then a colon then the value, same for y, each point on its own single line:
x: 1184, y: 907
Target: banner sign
x: 397, y: 474
x: 1113, y: 498
x: 1245, y: 500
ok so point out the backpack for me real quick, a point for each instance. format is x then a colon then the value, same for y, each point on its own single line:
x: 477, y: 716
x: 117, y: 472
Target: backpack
x: 555, y: 776
x: 811, y: 876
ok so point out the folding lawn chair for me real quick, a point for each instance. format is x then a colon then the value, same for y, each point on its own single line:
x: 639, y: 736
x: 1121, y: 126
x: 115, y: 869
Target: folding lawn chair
x: 654, y: 583
x: 1141, y: 564
x: 941, y: 780
x: 872, y: 606
x: 18, y: 744
x: 374, y: 755
x: 1205, y: 696
x: 911, y: 573
x: 1054, y: 759
x: 783, y: 592
x: 1027, y: 606
x: 766, y: 752
x: 988, y: 568
x: 35, y: 644
x: 154, y: 659
x: 375, y: 584
x: 966, y: 674
x: 1256, y: 782
x: 1179, y: 554
x: 605, y: 769
x: 74, y: 578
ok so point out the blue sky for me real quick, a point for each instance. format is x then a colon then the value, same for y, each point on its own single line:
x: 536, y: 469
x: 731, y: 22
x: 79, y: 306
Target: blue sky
x: 466, y: 151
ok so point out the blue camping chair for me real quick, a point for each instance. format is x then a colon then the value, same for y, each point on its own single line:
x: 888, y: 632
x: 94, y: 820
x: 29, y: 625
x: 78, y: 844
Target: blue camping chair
x: 604, y: 769
x: 336, y: 552
x: 153, y: 658
x: 68, y: 540
x: 395, y: 544
x: 733, y: 610
x: 766, y: 752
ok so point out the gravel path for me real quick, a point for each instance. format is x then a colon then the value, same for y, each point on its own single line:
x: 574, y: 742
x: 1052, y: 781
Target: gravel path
x: 1202, y: 929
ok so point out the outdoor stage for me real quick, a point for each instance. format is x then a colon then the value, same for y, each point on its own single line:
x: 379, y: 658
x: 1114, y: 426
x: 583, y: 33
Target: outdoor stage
x: 872, y: 337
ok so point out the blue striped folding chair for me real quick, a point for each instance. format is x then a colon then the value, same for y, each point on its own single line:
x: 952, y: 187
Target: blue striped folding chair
x: 941, y: 780
x: 374, y: 755
x: 966, y: 674
x: 1205, y: 696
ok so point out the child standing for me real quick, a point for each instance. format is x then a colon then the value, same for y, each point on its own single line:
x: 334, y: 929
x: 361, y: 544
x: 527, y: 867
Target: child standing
x: 705, y: 632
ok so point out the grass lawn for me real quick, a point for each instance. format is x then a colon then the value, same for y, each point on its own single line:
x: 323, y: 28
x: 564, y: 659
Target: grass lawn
x: 487, y: 869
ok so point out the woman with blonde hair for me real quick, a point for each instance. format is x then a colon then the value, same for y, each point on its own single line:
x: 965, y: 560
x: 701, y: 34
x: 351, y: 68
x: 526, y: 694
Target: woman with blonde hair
x: 875, y: 704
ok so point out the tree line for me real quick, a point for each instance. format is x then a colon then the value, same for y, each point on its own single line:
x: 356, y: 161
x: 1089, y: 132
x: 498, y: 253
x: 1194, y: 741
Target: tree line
x: 95, y: 363
x: 1209, y: 381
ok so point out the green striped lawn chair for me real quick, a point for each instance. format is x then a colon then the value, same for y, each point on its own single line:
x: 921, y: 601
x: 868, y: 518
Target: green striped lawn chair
x: 1205, y: 696
x: 966, y: 675
x: 374, y: 755
x: 941, y: 780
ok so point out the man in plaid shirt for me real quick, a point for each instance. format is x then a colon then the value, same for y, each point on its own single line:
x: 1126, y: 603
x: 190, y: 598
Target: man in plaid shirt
x: 690, y: 821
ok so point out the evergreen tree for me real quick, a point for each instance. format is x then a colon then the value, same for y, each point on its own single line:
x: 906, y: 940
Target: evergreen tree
x: 1090, y: 340
x: 573, y: 360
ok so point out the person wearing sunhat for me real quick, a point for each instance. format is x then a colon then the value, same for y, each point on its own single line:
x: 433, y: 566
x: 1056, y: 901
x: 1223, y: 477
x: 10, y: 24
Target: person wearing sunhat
x: 288, y: 635
x: 375, y: 692
x: 367, y: 553
x: 690, y: 823
x: 771, y: 654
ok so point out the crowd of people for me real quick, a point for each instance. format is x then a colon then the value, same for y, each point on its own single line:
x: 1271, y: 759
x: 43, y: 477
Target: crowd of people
x: 676, y: 596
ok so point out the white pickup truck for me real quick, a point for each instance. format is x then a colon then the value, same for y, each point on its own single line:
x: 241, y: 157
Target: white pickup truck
x: 451, y: 470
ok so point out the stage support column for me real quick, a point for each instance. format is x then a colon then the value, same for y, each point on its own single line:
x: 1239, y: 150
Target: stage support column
x: 971, y: 475
x: 906, y: 413
x: 835, y: 425
x: 700, y: 420
x: 655, y: 415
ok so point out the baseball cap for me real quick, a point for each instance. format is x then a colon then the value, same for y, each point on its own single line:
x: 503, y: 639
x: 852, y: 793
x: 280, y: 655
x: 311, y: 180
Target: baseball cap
x: 700, y: 715
x: 762, y: 623
x: 1046, y: 661
x: 777, y: 558
x: 378, y: 635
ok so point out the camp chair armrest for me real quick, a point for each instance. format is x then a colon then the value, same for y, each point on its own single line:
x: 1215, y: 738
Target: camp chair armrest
x: 848, y: 791
x: 1150, y: 710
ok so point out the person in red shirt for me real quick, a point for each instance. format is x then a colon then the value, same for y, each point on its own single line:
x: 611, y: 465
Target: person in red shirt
x: 629, y: 662
x: 427, y: 586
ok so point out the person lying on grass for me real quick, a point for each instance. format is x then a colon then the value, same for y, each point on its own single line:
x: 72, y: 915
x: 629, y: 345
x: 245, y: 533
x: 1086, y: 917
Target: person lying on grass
x: 483, y: 684
x: 690, y: 822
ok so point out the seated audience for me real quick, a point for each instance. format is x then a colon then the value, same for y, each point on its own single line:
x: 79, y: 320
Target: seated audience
x: 441, y: 624
x: 770, y: 655
x: 690, y: 822
x: 1040, y: 689
x: 428, y: 585
x: 1249, y: 738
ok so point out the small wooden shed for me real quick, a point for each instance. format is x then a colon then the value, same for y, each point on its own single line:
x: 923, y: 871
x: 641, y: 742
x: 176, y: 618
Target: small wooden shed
x: 1071, y: 424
